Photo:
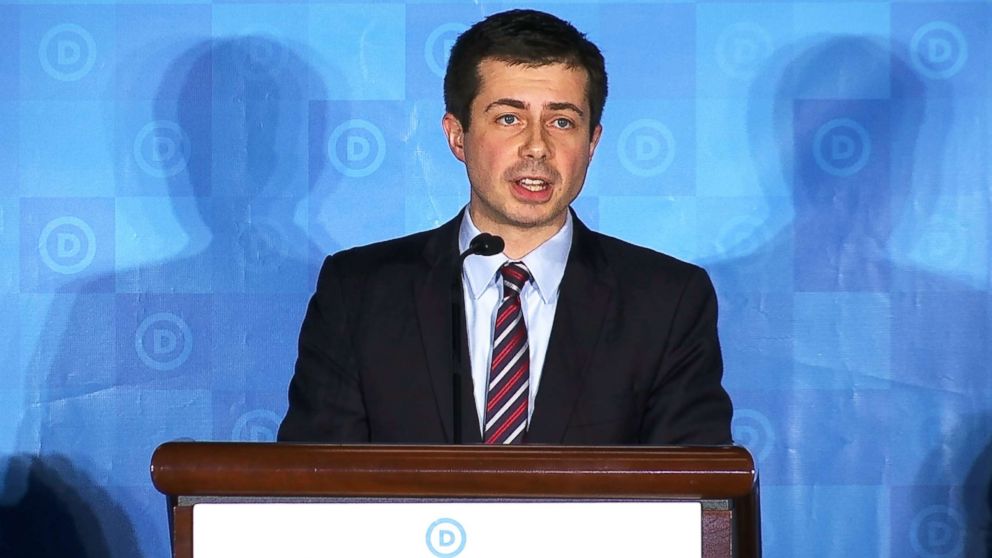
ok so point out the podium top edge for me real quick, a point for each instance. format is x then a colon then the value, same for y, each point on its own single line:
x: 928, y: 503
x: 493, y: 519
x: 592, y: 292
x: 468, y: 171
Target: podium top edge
x: 245, y: 468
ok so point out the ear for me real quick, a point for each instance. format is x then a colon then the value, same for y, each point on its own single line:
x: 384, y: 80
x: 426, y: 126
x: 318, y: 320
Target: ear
x: 594, y: 141
x: 455, y: 134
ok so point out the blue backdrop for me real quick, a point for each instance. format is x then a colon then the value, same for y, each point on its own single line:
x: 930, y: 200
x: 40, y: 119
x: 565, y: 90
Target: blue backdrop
x: 171, y: 176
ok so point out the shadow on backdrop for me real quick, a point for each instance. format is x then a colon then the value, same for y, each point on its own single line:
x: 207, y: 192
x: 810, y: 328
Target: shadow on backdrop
x: 978, y: 489
x: 952, y: 513
x: 49, y: 510
x: 878, y: 356
x: 199, y: 344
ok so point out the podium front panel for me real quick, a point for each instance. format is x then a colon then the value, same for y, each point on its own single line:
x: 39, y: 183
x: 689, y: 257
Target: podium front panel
x: 448, y: 529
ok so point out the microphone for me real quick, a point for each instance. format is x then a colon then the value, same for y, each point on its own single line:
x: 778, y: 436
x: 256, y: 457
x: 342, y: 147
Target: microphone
x: 484, y: 244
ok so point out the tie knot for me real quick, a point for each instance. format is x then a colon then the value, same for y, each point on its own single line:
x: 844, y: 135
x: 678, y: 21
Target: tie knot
x: 515, y: 274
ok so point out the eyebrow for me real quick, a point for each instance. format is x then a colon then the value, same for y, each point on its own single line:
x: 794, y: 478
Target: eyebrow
x: 566, y: 106
x: 518, y: 104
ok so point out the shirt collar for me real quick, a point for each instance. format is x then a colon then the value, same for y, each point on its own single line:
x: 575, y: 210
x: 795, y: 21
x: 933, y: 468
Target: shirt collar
x: 546, y: 262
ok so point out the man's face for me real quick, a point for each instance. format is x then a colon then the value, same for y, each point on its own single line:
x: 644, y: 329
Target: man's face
x: 528, y: 146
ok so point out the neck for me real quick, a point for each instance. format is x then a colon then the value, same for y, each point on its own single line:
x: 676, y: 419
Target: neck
x: 518, y: 241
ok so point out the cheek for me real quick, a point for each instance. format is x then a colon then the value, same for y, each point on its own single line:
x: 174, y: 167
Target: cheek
x: 576, y: 166
x: 480, y: 152
x: 492, y: 159
x: 583, y: 156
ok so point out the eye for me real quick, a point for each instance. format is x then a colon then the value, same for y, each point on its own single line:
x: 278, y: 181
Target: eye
x: 508, y: 119
x: 562, y: 123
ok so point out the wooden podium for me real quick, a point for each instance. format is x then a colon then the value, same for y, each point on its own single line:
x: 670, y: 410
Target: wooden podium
x: 723, y: 479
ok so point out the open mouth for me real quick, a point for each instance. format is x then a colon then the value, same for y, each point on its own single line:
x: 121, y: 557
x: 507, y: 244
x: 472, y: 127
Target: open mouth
x: 533, y: 184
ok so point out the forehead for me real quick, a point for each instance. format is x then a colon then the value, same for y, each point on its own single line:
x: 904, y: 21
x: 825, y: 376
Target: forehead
x: 548, y: 83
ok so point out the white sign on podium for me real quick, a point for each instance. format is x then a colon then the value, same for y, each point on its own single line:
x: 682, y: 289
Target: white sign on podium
x: 448, y: 529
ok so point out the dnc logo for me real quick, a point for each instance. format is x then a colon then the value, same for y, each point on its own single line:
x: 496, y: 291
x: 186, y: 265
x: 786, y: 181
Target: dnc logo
x: 939, y: 50
x: 646, y: 147
x: 67, y: 52
x: 163, y: 341
x: 67, y: 245
x: 356, y: 148
x: 842, y: 147
x: 446, y: 538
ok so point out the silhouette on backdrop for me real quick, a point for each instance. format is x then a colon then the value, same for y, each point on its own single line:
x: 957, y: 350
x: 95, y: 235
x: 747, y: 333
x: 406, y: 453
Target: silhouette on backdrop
x: 218, y: 171
x: 879, y: 345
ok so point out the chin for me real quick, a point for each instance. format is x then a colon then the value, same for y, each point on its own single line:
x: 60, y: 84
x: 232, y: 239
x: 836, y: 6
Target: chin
x: 530, y: 220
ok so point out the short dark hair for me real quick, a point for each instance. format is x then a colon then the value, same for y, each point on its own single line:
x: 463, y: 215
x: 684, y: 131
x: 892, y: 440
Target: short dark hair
x: 526, y: 37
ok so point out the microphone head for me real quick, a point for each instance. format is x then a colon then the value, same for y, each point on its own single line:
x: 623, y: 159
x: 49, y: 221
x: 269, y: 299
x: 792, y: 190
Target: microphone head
x: 486, y: 244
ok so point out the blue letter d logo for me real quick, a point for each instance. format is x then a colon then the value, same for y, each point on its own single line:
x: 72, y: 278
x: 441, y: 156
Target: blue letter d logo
x: 445, y: 538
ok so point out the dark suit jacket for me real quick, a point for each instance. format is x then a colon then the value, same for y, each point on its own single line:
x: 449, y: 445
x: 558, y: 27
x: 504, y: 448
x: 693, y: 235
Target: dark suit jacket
x: 633, y: 356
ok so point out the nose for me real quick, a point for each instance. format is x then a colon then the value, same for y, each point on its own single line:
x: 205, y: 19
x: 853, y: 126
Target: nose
x: 536, y: 144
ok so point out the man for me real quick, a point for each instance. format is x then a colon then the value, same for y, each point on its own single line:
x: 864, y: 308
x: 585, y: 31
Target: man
x: 573, y: 337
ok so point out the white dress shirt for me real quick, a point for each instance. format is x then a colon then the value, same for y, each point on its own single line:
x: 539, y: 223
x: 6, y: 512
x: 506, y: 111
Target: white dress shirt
x: 483, y: 290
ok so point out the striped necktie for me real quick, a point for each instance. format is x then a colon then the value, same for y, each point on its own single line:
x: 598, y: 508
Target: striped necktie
x: 509, y: 374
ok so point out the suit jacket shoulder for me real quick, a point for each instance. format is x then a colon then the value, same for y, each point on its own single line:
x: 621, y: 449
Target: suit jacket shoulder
x: 382, y: 258
x: 639, y: 266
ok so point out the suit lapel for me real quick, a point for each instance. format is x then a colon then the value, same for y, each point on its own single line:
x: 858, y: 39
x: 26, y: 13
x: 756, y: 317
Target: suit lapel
x: 432, y: 293
x: 585, y: 299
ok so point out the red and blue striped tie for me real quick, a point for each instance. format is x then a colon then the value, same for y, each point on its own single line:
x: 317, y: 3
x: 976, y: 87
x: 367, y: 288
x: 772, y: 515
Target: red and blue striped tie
x: 509, y: 374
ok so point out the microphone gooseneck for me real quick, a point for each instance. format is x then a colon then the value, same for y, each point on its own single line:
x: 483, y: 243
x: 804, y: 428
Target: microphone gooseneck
x: 484, y: 244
